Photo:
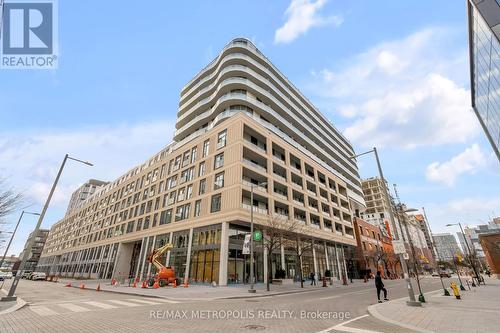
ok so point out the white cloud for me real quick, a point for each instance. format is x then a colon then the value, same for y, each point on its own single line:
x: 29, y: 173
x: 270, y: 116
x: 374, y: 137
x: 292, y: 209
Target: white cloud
x: 302, y: 15
x: 447, y: 172
x: 403, y: 93
x: 30, y: 160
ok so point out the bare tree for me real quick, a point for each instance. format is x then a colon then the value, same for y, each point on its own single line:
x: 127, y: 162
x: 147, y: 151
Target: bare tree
x: 276, y: 229
x: 9, y: 201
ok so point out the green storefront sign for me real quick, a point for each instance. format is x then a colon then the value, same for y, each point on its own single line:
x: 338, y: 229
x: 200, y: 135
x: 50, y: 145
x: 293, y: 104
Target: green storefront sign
x: 257, y: 235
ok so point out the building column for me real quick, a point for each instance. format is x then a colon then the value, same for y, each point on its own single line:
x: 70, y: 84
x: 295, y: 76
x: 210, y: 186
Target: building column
x: 224, y: 250
x: 282, y: 250
x: 326, y: 256
x: 315, y: 262
x: 188, y: 257
x: 151, y: 249
x: 339, y: 275
x: 265, y: 254
x: 145, y: 248
x: 141, y: 257
x: 343, y: 260
x: 170, y: 237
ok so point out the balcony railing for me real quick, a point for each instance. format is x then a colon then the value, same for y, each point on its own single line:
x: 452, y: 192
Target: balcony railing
x: 255, y: 165
x: 255, y: 209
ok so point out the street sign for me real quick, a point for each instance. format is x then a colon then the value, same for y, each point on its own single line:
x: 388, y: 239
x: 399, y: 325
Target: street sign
x: 257, y: 235
x: 246, y: 244
x: 398, y: 246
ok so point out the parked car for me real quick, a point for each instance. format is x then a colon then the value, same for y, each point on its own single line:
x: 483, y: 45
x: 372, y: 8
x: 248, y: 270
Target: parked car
x: 2, y: 276
x: 38, y: 276
x: 445, y: 275
x: 26, y: 275
x: 8, y: 275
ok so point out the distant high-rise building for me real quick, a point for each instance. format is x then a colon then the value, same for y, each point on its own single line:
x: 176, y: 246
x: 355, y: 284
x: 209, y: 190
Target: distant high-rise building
x: 83, y: 192
x: 484, y: 52
x: 36, y: 250
x: 446, y: 246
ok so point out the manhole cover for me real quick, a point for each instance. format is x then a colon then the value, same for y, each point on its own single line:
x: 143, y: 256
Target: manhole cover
x: 254, y: 327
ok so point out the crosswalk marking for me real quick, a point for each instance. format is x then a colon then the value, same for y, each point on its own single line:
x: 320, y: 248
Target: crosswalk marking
x: 142, y: 301
x: 73, y: 307
x: 101, y: 305
x: 164, y: 300
x: 42, y: 311
x: 123, y: 303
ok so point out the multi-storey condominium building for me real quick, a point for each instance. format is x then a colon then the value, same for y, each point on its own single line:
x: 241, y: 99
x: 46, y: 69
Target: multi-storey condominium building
x: 484, y: 51
x: 242, y: 128
x: 446, y: 246
x: 33, y: 255
x: 82, y: 193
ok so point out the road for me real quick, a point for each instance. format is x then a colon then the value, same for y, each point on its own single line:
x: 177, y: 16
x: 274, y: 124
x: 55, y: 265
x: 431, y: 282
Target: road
x: 54, y: 308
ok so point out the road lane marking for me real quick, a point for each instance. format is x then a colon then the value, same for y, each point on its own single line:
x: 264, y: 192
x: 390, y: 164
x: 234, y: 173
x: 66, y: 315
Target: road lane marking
x: 73, y: 307
x: 42, y: 311
x: 142, y: 301
x: 350, y: 293
x: 343, y: 328
x: 123, y: 303
x: 164, y: 300
x: 101, y: 305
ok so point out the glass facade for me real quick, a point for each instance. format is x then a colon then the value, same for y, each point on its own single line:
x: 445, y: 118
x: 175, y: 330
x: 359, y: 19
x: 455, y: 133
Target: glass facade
x: 485, y: 63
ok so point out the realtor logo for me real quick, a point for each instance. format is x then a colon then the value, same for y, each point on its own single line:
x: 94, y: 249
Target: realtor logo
x: 28, y: 35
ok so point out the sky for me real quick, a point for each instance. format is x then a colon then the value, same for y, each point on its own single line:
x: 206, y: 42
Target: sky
x: 390, y: 74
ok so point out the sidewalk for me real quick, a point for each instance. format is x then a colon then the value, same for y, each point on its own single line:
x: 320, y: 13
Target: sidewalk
x: 477, y: 311
x: 11, y: 306
x: 196, y: 292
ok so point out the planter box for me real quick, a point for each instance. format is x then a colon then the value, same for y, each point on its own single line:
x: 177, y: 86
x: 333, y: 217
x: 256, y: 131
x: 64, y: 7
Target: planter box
x: 282, y: 281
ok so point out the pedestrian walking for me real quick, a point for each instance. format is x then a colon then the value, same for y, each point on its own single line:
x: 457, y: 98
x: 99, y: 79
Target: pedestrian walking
x: 380, y: 286
x: 312, y: 277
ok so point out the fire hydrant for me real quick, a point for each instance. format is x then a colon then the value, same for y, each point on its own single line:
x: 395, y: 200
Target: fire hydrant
x: 454, y: 287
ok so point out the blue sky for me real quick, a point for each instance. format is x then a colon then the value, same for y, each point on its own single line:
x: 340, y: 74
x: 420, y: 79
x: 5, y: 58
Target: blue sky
x: 392, y: 74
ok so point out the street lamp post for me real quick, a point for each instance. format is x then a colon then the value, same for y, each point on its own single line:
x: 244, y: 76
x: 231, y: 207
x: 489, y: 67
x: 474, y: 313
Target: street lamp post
x: 14, y: 233
x: 10, y: 296
x: 252, y: 287
x: 411, y: 295
x: 469, y: 252
x: 446, y: 292
x: 421, y: 297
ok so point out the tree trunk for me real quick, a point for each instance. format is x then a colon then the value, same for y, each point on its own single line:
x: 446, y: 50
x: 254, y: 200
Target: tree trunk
x: 269, y: 271
x: 300, y: 273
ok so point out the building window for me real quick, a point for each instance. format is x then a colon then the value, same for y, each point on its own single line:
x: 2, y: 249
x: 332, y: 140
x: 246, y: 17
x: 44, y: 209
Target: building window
x: 221, y: 139
x: 219, y: 161
x: 189, y: 192
x: 216, y: 203
x: 206, y: 148
x: 197, y: 208
x: 166, y: 217
x: 219, y: 181
x: 194, y: 152
x: 201, y: 170
x: 182, y: 212
x: 203, y: 186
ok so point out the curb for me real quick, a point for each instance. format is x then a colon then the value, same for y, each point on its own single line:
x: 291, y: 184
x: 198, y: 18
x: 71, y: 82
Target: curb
x: 19, y: 304
x: 373, y: 311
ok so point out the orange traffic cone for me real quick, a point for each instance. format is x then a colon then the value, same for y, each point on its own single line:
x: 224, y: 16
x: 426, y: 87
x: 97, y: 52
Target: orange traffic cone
x: 175, y: 283
x: 98, y: 287
x: 156, y: 285
x: 82, y: 286
x: 134, y: 285
x: 68, y: 284
x: 113, y: 282
x: 144, y: 284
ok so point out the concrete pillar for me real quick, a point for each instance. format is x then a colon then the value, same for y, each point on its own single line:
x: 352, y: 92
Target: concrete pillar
x: 326, y: 256
x: 265, y: 254
x: 170, y: 237
x: 343, y: 260
x: 339, y: 275
x: 315, y: 262
x: 141, y: 257
x: 152, y: 246
x: 188, y: 257
x: 144, y: 254
x: 224, y: 250
x: 282, y: 249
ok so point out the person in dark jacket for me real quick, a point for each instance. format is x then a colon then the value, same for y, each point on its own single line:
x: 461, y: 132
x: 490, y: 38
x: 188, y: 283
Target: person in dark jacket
x: 312, y: 277
x: 380, y: 286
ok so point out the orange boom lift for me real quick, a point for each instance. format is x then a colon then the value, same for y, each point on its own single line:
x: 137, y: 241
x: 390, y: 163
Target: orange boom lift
x: 164, y: 275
